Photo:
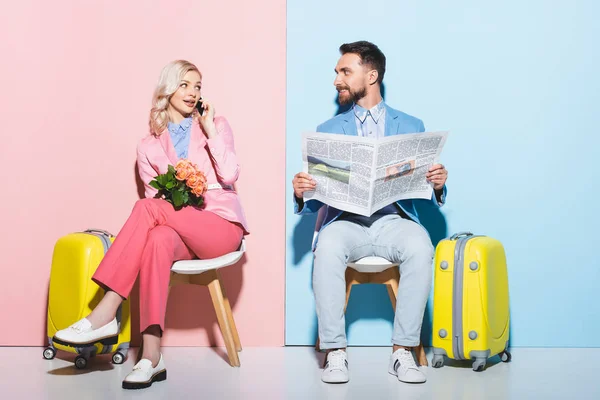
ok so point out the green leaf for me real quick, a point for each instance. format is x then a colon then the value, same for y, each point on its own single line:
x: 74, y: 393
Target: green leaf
x: 154, y: 184
x: 186, y: 197
x: 170, y: 185
x: 177, y: 198
x: 171, y: 169
x: 162, y: 180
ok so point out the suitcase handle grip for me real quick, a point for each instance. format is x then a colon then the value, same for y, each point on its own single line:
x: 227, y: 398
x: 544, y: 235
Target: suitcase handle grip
x: 460, y: 234
x: 101, y: 231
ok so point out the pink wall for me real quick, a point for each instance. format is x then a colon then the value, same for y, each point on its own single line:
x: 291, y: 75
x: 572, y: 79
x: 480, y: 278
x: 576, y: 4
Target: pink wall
x: 77, y: 79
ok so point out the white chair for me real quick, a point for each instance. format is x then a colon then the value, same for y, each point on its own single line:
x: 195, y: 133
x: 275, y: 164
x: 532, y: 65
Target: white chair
x: 373, y: 270
x: 206, y: 273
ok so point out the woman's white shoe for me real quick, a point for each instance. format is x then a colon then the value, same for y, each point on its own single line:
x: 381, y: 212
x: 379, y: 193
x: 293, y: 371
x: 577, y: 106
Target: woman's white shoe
x: 143, y: 374
x: 82, y: 334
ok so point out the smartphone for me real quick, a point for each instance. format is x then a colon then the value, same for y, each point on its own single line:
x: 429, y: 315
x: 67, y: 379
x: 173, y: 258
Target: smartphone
x: 199, y: 106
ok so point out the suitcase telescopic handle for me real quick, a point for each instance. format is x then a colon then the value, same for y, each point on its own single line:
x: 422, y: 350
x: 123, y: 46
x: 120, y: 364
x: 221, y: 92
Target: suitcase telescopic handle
x: 101, y: 231
x: 460, y: 234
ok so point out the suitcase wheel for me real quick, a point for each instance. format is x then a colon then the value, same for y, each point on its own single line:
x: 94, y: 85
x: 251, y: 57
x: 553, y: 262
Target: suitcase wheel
x: 438, y: 361
x: 49, y: 353
x: 479, y: 364
x: 505, y: 356
x: 118, y: 358
x: 80, y: 362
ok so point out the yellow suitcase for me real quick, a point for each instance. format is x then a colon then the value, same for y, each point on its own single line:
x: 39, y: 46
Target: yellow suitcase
x: 470, y: 300
x: 72, y: 294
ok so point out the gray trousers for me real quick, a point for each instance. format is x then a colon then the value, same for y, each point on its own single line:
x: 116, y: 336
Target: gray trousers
x: 391, y: 237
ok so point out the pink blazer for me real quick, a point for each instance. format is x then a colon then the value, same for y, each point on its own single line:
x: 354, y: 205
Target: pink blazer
x: 215, y: 157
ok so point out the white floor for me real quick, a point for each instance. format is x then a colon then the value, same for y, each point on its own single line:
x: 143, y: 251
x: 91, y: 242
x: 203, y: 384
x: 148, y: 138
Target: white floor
x: 294, y: 373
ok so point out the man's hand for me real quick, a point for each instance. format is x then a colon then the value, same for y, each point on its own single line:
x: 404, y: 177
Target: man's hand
x: 303, y: 182
x: 437, y: 175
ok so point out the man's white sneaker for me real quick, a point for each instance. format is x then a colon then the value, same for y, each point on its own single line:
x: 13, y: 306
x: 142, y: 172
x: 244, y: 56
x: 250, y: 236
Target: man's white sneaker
x: 403, y: 365
x: 82, y: 334
x: 143, y: 374
x: 336, y: 368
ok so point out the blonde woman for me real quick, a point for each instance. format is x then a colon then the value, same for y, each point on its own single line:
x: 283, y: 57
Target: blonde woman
x: 155, y: 235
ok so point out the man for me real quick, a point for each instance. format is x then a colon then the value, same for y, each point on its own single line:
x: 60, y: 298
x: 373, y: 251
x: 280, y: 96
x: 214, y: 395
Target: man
x: 393, y: 232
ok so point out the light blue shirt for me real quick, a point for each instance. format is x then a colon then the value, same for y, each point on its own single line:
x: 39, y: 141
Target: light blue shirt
x: 370, y: 123
x: 180, y: 136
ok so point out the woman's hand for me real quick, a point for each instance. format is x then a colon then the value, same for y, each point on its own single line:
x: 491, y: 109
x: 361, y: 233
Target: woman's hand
x: 207, y: 119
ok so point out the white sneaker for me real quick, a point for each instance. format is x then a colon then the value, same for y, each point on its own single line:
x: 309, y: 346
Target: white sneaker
x: 82, y: 334
x: 143, y: 375
x: 336, y: 368
x: 403, y: 365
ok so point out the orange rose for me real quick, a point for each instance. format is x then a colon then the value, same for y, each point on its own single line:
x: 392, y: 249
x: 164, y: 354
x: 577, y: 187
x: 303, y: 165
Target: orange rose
x: 182, y: 163
x: 197, y: 183
x: 193, y: 181
x: 199, y: 189
x: 184, y: 170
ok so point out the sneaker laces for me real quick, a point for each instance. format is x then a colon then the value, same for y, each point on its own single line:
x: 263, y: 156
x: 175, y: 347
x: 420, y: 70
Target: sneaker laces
x: 406, y: 360
x: 336, y: 360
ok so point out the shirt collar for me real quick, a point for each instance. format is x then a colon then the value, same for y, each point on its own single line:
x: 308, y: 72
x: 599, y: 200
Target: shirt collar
x: 180, y: 128
x: 376, y: 112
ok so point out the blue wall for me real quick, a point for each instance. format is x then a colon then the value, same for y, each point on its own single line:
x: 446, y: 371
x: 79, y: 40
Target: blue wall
x: 517, y: 85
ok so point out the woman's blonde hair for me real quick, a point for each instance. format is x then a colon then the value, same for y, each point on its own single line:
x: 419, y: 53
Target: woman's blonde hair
x: 168, y: 83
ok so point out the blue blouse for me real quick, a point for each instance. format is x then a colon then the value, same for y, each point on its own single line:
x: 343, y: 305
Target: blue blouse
x: 180, y: 136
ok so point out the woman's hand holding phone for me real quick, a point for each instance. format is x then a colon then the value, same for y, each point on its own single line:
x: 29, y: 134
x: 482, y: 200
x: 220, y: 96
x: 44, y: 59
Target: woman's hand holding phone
x: 206, y: 116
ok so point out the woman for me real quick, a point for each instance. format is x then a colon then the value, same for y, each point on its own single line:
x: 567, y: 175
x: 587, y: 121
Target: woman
x: 155, y: 235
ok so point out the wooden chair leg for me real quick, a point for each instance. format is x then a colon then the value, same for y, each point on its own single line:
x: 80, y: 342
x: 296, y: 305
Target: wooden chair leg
x: 392, y: 288
x: 216, y: 295
x: 234, y: 331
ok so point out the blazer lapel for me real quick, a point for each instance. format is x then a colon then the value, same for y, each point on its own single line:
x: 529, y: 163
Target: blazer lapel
x: 391, y: 122
x: 349, y: 124
x: 168, y: 147
x: 197, y: 144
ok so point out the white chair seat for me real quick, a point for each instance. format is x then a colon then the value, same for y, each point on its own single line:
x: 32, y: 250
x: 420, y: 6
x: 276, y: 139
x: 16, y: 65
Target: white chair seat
x: 371, y: 264
x: 190, y: 267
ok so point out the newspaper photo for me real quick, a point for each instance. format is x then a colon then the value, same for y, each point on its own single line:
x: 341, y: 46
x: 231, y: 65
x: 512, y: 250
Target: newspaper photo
x: 362, y: 175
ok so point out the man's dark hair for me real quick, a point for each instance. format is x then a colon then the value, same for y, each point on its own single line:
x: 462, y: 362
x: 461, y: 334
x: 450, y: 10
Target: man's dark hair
x: 369, y: 54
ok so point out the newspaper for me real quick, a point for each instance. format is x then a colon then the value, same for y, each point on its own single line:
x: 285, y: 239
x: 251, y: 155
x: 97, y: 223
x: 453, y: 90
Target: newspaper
x: 362, y: 175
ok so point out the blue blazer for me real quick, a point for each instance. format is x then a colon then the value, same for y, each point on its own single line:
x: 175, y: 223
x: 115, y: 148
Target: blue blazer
x: 396, y: 123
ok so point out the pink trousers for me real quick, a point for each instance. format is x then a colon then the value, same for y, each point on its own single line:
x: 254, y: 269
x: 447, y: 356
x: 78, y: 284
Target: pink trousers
x: 152, y: 239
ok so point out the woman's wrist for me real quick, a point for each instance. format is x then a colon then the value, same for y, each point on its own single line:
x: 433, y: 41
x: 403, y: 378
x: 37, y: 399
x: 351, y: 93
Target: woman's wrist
x: 211, y: 129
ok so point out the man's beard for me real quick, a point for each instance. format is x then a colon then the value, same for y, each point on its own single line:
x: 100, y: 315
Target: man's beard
x: 351, y: 97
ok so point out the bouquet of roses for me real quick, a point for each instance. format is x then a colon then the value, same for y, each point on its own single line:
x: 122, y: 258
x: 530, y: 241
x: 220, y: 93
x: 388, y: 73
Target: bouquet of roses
x: 182, y: 185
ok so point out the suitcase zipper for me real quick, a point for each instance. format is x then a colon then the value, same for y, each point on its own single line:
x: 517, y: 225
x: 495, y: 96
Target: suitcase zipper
x: 457, y: 296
